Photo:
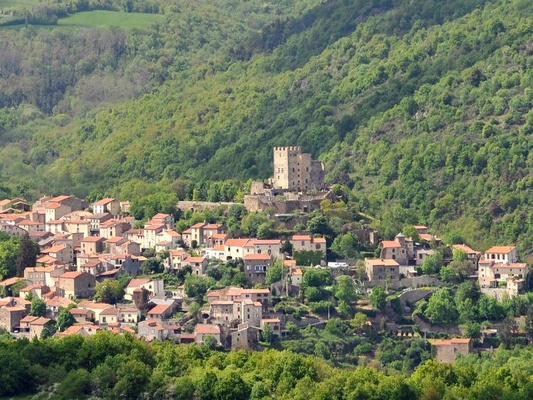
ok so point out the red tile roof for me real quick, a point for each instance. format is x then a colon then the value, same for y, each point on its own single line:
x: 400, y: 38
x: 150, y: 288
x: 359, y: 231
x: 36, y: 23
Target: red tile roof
x: 207, y: 329
x: 257, y: 257
x: 387, y: 244
x: 159, y: 309
x: 71, y: 274
x: 500, y: 249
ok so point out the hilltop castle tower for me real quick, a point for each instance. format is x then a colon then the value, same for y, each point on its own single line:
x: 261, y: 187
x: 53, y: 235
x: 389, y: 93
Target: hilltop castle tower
x: 295, y: 171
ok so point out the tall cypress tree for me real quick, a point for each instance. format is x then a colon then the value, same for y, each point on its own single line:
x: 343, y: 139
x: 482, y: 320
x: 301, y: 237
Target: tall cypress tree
x: 27, y: 255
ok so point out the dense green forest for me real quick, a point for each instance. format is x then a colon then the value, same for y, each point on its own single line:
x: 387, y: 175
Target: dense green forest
x: 420, y: 108
x: 109, y: 366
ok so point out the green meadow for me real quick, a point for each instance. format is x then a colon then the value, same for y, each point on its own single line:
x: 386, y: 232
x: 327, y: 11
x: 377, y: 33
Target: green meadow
x: 91, y: 19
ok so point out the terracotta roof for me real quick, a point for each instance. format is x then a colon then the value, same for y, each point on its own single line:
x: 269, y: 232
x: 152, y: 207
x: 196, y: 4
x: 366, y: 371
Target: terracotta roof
x: 257, y: 257
x: 153, y: 227
x: 46, y: 259
x: 40, y: 321
x: 379, y: 261
x: 115, y: 239
x: 159, y: 309
x: 428, y: 237
x: 93, y: 305
x: 5, y: 202
x: 319, y: 240
x: 79, y: 311
x: 55, y: 249
x: 57, y: 199
x: 221, y: 302
x: 15, y: 308
x: 198, y: 225
x: 387, y: 244
x: 297, y: 271
x: 451, y: 341
x: 137, y: 282
x: 270, y: 320
x: 509, y: 265
x: 103, y: 202
x: 500, y: 249
x: 92, y: 239
x: 273, y: 242
x: 71, y: 274
x: 236, y: 242
x: 11, y: 281
x: 302, y: 237
x: 219, y: 235
x: 28, y: 318
x: 207, y: 329
x: 160, y: 216
x: 219, y: 247
x: 110, y: 311
x: 213, y: 226
x: 59, y: 302
x: 53, y: 206
x: 194, y: 259
x: 465, y: 248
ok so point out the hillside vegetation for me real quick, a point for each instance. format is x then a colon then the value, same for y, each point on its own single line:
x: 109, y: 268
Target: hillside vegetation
x: 421, y: 108
x: 108, y: 366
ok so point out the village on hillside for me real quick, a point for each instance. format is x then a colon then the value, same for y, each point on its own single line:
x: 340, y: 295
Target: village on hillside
x: 97, y: 268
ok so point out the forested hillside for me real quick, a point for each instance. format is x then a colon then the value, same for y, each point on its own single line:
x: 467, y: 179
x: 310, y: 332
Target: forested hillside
x: 421, y: 108
x: 108, y: 366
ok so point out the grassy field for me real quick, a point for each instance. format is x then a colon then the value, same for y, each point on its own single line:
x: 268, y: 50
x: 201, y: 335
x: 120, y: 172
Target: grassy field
x: 13, y: 3
x: 91, y: 19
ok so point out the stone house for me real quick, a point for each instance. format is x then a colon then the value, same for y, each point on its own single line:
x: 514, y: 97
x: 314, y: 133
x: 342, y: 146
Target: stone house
x: 246, y: 337
x: 472, y: 255
x: 175, y: 259
x: 155, y: 287
x: 198, y: 264
x: 96, y: 220
x: 490, y: 274
x: 92, y: 245
x: 61, y: 252
x: 395, y: 250
x: 150, y: 235
x: 82, y: 315
x: 163, y: 219
x: 256, y: 267
x: 95, y: 307
x: 10, y: 317
x: 114, y: 228
x: 54, y: 211
x: 307, y: 242
x: 77, y: 226
x: 160, y: 312
x: 201, y: 331
x: 76, y: 284
x: 501, y: 254
x: 48, y: 276
x: 381, y: 269
x: 107, y: 205
x: 446, y: 351
x: 274, y: 324
x: 109, y: 316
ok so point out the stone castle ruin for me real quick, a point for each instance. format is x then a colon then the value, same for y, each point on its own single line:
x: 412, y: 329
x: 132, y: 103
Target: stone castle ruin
x: 297, y: 184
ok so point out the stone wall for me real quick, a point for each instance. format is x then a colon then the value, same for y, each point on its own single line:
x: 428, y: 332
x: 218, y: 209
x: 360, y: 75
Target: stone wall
x: 411, y: 296
x: 202, y: 205
x: 416, y: 282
